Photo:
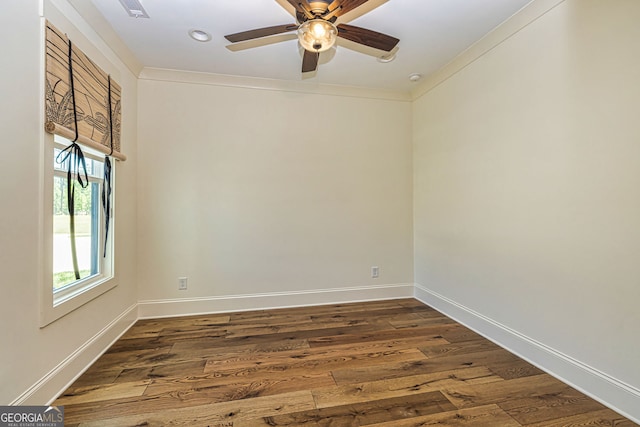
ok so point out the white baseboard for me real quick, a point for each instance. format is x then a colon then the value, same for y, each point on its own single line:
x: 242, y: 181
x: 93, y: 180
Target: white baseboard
x: 621, y: 397
x: 49, y: 387
x: 227, y: 303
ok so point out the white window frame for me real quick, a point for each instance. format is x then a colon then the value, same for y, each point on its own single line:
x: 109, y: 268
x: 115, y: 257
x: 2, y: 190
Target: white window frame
x: 54, y: 305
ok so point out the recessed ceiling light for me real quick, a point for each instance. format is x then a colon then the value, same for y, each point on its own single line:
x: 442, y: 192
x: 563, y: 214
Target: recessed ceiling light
x: 415, y: 77
x: 200, y: 35
x: 134, y: 8
x: 387, y: 57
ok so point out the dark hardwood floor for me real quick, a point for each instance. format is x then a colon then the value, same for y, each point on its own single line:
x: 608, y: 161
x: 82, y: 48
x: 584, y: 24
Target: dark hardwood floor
x: 391, y: 363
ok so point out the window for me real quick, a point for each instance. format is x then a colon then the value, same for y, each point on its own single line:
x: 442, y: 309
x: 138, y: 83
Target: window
x: 75, y: 270
x: 70, y: 283
x: 89, y: 227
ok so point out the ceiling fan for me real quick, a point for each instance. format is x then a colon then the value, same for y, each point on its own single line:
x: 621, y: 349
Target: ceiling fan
x: 318, y: 25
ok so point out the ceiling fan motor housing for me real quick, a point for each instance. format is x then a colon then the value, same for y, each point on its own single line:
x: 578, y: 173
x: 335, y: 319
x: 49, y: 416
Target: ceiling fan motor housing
x: 318, y: 7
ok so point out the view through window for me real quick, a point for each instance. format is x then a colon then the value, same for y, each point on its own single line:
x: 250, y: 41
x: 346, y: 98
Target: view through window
x: 89, y: 224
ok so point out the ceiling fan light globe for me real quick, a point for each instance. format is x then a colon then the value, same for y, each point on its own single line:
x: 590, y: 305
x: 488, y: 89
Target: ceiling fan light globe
x: 318, y: 29
x: 317, y: 35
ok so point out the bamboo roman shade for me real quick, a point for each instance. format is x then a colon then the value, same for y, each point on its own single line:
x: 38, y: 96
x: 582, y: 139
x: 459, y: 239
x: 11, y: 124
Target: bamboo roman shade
x: 93, y: 91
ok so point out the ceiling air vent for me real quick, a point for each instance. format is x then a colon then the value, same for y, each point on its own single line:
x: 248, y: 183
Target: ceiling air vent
x: 134, y: 8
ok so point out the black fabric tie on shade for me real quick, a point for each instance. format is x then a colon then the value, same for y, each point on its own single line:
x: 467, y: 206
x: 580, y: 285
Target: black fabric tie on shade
x: 106, y: 201
x: 74, y: 158
x: 106, y: 182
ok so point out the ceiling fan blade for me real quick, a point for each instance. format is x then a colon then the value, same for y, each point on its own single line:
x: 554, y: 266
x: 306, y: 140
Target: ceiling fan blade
x: 366, y: 37
x: 301, y: 6
x: 366, y: 50
x: 264, y: 41
x: 260, y: 32
x: 333, y: 4
x: 352, y: 9
x: 287, y: 6
x: 348, y: 5
x: 310, y: 61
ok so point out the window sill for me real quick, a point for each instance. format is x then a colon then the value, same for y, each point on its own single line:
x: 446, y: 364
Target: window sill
x: 54, y: 309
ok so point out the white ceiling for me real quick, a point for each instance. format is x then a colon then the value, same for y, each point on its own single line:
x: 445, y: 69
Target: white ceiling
x: 431, y: 33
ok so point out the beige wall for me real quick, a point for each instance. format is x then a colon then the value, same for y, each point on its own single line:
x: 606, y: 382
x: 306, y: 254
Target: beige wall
x: 249, y: 191
x: 29, y: 355
x: 527, y: 209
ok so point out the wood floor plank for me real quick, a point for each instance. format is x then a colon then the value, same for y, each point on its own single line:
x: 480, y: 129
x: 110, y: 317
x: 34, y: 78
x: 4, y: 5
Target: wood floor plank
x: 76, y: 395
x: 362, y: 414
x: 124, y: 406
x: 461, y: 334
x: 397, y: 314
x: 217, y: 414
x: 140, y: 359
x: 358, y: 336
x: 387, y: 350
x: 379, y: 363
x: 480, y: 416
x: 229, y: 343
x: 186, y: 368
x: 515, y: 369
x: 332, y: 309
x: 238, y: 387
x: 149, y: 328
x: 546, y: 407
x: 412, y: 302
x: 398, y: 387
x: 137, y: 344
x: 310, y: 362
x: 454, y: 349
x: 183, y: 393
x: 465, y: 395
x: 113, y: 358
x: 237, y: 328
x: 601, y: 418
x: 263, y: 330
x: 263, y: 348
x: 430, y: 320
x: 422, y: 366
x: 96, y: 376
x: 203, y: 320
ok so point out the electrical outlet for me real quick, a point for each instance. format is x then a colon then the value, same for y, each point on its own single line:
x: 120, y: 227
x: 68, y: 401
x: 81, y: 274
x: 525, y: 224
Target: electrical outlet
x: 375, y: 272
x: 182, y: 283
